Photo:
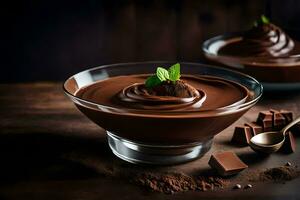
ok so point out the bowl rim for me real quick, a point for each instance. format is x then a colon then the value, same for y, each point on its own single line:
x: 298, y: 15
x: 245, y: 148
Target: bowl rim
x: 163, y: 114
x: 237, y: 60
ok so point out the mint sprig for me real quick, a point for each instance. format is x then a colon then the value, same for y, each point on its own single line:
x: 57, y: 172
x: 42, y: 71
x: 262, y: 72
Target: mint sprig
x: 172, y: 74
x: 263, y: 20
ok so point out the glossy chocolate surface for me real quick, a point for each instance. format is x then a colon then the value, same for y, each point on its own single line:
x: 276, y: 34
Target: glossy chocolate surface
x: 265, y: 52
x: 114, y: 98
x: 265, y: 43
x: 129, y: 92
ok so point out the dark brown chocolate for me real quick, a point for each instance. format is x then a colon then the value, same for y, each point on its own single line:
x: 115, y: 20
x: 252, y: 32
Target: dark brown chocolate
x: 289, y: 145
x: 242, y: 135
x: 255, y: 128
x: 226, y: 163
x: 264, y: 115
x: 278, y: 120
x: 265, y: 119
x: 168, y: 88
x: 133, y: 106
x: 288, y: 115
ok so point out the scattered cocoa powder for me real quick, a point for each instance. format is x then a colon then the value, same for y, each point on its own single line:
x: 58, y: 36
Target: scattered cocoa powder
x: 277, y: 174
x: 178, y: 182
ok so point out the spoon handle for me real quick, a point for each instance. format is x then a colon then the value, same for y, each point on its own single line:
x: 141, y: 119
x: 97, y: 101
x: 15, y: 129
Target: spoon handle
x: 290, y: 125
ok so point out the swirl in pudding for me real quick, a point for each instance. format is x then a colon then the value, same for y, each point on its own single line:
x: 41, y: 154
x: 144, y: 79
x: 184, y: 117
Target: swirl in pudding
x: 265, y: 42
x: 190, y: 93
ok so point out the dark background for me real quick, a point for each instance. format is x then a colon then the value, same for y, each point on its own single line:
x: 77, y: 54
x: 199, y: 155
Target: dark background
x: 51, y: 40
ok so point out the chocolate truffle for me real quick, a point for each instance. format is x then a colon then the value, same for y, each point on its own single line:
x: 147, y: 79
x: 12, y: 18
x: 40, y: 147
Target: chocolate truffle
x: 177, y: 89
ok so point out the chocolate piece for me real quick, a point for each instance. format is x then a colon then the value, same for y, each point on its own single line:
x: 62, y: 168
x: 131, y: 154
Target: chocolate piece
x: 278, y: 120
x: 264, y: 115
x: 267, y: 125
x: 265, y: 119
x: 289, y: 145
x: 288, y: 115
x: 242, y: 135
x: 255, y: 128
x: 226, y: 163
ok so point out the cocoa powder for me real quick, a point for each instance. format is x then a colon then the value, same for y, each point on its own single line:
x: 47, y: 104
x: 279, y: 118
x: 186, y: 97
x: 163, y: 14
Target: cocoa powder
x: 178, y: 182
x: 277, y: 174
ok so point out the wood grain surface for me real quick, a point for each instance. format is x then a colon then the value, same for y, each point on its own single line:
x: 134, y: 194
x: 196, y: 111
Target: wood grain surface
x: 49, y: 150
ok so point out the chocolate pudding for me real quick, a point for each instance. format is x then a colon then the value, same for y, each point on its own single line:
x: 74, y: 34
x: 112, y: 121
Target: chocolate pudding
x: 187, y: 117
x: 264, y: 51
x: 129, y: 92
x: 163, y: 118
x: 265, y: 43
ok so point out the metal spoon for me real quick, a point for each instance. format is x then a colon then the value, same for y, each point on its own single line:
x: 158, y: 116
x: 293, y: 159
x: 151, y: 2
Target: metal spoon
x: 270, y: 142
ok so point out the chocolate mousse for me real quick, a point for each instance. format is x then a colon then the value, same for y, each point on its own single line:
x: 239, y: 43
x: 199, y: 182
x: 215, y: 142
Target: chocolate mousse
x: 265, y: 51
x: 165, y: 107
x: 264, y: 42
x: 191, y: 93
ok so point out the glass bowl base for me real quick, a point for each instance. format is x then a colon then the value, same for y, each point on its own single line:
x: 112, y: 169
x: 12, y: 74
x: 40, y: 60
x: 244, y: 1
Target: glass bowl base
x: 139, y: 153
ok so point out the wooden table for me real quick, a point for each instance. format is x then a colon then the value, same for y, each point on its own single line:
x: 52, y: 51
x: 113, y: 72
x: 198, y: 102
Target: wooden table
x: 49, y: 150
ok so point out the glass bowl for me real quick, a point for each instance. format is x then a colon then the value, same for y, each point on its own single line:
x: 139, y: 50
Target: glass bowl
x: 139, y: 138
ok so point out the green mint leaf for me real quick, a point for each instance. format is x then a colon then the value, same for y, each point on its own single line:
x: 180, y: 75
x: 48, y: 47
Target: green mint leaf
x: 262, y: 20
x: 174, y: 72
x: 162, y: 74
x: 265, y: 20
x: 152, y: 81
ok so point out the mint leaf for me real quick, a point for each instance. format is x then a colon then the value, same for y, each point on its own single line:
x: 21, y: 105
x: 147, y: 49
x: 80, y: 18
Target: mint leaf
x: 262, y: 20
x: 162, y: 74
x: 152, y: 81
x: 265, y: 20
x: 174, y: 72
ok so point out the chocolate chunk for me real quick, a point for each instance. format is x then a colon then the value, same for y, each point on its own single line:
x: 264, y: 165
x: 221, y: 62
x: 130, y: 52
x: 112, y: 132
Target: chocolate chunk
x: 267, y: 125
x: 226, y: 163
x: 265, y: 119
x: 242, y: 135
x: 278, y: 120
x: 288, y: 115
x: 255, y: 128
x: 264, y: 115
x: 289, y: 145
